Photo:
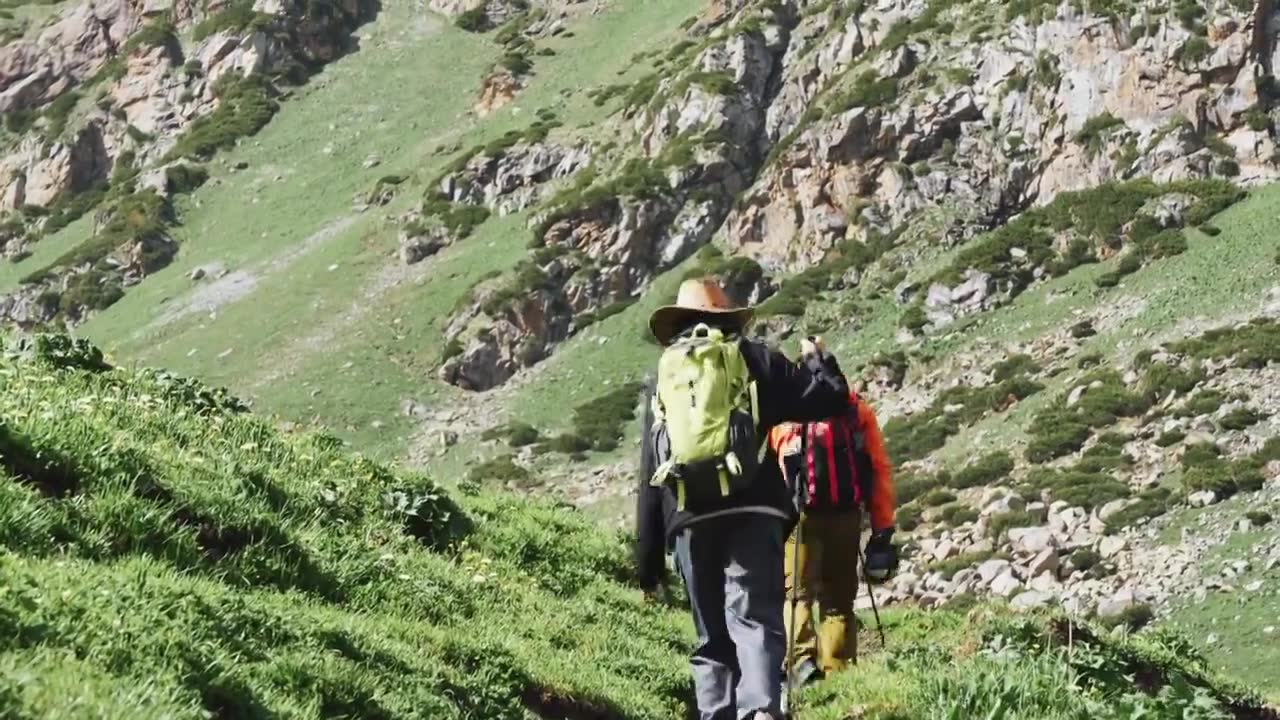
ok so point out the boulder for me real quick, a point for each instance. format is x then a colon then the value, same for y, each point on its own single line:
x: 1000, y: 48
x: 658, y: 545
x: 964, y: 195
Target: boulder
x: 1045, y: 562
x: 1030, y: 600
x: 1117, y: 604
x: 989, y: 570
x: 1111, y: 545
x: 1202, y: 498
x: 1032, y: 540
x: 1005, y: 585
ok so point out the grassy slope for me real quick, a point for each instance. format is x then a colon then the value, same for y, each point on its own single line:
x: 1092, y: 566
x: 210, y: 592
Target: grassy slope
x: 404, y: 94
x: 163, y: 555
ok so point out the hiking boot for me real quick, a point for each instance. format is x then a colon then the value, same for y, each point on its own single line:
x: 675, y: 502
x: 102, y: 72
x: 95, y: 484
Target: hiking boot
x: 806, y: 673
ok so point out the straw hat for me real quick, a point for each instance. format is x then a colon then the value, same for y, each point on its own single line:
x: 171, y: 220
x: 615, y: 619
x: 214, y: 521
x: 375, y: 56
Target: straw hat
x: 698, y: 299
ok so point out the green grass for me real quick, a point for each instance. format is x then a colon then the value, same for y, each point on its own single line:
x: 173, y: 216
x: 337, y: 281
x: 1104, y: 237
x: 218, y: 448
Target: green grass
x: 193, y: 558
x: 165, y: 553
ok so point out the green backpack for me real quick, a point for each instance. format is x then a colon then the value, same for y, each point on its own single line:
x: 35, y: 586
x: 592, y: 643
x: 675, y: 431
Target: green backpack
x: 706, y: 419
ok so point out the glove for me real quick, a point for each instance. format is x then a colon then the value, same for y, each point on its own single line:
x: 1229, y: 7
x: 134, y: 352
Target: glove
x: 881, y: 556
x: 812, y: 345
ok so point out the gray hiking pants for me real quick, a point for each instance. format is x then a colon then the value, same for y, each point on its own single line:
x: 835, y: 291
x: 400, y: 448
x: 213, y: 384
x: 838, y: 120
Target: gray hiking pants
x: 732, y: 568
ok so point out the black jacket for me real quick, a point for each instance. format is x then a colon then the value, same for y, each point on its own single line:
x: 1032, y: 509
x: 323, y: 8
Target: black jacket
x: 788, y: 392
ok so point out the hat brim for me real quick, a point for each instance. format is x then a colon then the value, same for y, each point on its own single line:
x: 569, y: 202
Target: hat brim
x: 669, y: 320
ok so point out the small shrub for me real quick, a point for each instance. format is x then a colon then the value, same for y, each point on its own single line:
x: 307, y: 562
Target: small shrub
x: 1015, y: 366
x: 910, y: 487
x: 1258, y: 518
x: 1240, y: 418
x: 1161, y: 381
x: 964, y: 561
x: 936, y: 497
x: 1002, y: 522
x: 956, y: 513
x: 1258, y: 119
x: 184, y: 178
x: 914, y: 319
x: 516, y: 63
x: 907, y: 517
x: 984, y: 471
x: 500, y: 469
x: 600, y: 421
x: 1094, y: 131
x: 474, y: 20
x: 1085, y: 559
x: 1134, y: 617
x: 1195, y: 49
x: 1135, y: 514
x: 1201, y: 455
x: 1089, y: 360
x: 245, y: 106
x: 1170, y: 438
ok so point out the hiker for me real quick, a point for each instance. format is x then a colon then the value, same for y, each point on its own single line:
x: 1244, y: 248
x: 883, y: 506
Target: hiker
x: 836, y: 468
x: 708, y: 489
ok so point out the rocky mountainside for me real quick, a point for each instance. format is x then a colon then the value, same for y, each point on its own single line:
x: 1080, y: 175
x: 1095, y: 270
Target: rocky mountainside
x: 1040, y: 234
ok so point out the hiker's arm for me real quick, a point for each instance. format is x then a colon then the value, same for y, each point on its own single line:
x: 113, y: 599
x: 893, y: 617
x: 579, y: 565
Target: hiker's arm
x: 883, y: 496
x: 650, y: 534
x: 809, y: 390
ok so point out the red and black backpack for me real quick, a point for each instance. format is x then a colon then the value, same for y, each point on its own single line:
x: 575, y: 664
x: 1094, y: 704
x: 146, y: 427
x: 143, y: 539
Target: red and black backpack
x: 826, y: 463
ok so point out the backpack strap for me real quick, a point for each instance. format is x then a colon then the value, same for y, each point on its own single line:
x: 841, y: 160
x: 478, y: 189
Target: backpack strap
x: 849, y: 448
x: 833, y: 477
x: 810, y: 465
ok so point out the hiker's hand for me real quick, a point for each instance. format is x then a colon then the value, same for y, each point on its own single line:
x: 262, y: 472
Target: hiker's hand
x: 812, y: 345
x: 881, y: 556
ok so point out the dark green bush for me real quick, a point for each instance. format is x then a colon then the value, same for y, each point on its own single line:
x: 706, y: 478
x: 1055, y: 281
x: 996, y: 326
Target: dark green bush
x: 474, y: 20
x: 500, y: 469
x: 1253, y: 345
x: 914, y: 318
x: 1002, y: 522
x: 985, y: 470
x: 236, y: 16
x: 1078, y: 487
x: 516, y: 63
x: 1203, y: 402
x: 937, y: 496
x: 1258, y: 518
x: 956, y: 513
x: 964, y: 561
x: 1201, y: 454
x: 907, y: 517
x: 245, y: 106
x: 1136, y: 513
x: 1170, y: 438
x: 1240, y: 418
x: 1085, y: 559
x: 600, y: 421
x: 1195, y: 49
x: 1162, y: 380
x: 185, y: 178
x: 1094, y: 131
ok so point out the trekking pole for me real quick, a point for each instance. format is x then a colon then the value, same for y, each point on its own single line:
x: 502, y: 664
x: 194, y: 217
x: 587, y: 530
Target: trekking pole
x: 791, y: 636
x: 872, y: 592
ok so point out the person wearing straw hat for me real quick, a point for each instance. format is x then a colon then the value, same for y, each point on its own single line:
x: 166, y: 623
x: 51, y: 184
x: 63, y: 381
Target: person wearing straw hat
x: 709, y: 490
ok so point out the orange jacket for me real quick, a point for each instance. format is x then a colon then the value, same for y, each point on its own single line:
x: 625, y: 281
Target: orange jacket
x: 883, y: 497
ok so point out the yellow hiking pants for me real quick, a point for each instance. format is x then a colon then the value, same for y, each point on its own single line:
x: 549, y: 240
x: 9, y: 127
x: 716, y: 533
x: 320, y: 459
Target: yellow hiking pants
x: 828, y: 578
